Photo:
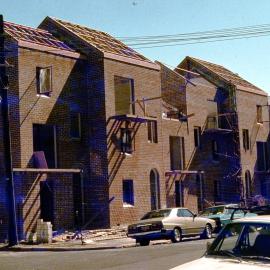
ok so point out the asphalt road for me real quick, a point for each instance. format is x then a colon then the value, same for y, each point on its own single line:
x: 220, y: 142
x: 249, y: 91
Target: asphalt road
x: 156, y: 257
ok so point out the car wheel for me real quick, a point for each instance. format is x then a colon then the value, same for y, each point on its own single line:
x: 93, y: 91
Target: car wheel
x: 176, y: 235
x: 207, y: 233
x: 143, y: 242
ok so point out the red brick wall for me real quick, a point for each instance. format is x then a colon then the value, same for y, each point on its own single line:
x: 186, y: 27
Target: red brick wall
x: 247, y: 111
x: 146, y: 156
x: 69, y: 93
x: 198, y: 102
x: 88, y: 86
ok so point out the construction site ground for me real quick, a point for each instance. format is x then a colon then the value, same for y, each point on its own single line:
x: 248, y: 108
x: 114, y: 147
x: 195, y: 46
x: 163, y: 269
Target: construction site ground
x: 89, y: 240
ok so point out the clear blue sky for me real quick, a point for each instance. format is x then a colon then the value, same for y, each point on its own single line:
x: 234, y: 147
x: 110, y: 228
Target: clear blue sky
x: 248, y: 57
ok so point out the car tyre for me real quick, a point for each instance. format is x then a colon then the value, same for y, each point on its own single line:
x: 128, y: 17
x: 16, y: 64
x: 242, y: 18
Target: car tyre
x: 143, y: 242
x: 207, y: 233
x: 176, y: 235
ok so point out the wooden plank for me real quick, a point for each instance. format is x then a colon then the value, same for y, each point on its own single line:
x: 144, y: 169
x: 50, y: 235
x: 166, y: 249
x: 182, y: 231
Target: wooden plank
x: 37, y: 170
x: 134, y: 118
x: 183, y: 172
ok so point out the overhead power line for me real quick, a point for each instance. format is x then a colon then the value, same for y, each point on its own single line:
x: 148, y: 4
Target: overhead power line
x: 140, y: 42
x: 261, y: 26
x: 199, y: 42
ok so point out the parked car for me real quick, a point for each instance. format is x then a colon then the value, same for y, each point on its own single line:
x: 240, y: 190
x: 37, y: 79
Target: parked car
x: 170, y: 223
x: 242, y: 244
x: 224, y: 214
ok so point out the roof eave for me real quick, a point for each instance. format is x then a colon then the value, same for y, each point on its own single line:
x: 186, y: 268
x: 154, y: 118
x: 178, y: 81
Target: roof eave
x: 251, y: 90
x: 47, y: 49
x: 132, y: 61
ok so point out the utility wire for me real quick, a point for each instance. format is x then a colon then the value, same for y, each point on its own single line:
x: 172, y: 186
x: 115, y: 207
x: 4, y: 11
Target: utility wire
x: 199, y: 42
x: 202, y: 38
x: 140, y: 42
x: 225, y: 30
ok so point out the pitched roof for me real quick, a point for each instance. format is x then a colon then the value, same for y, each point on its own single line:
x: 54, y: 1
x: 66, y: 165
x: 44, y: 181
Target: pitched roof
x: 35, y: 36
x: 102, y: 41
x: 229, y: 77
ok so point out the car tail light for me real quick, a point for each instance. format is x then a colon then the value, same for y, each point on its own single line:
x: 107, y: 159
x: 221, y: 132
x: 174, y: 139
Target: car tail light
x: 132, y: 229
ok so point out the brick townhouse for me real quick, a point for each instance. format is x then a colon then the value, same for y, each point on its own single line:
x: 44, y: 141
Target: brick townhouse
x: 223, y: 138
x: 100, y: 134
x: 80, y: 135
x: 48, y: 89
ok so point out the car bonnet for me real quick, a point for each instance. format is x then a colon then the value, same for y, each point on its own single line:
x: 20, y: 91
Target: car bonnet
x: 206, y: 263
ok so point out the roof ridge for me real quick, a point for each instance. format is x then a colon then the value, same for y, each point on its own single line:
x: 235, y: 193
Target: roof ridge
x: 65, y: 21
x: 202, y: 60
x: 61, y: 23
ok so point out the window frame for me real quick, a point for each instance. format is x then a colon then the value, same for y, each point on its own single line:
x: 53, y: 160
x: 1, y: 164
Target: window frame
x: 259, y: 115
x: 197, y: 137
x: 152, y: 131
x: 125, y: 146
x: 39, y: 92
x: 265, y: 155
x: 246, y: 140
x: 131, y: 98
x: 182, y: 164
x: 130, y: 189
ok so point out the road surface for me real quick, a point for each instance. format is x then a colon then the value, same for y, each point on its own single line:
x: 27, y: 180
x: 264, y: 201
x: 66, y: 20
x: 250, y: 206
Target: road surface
x: 156, y: 257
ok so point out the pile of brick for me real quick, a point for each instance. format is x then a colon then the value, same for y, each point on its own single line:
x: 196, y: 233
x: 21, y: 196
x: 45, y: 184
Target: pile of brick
x: 93, y: 235
x: 44, y: 232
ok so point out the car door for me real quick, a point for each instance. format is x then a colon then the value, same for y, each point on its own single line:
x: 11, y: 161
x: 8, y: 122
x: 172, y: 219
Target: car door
x: 188, y: 217
x: 200, y: 223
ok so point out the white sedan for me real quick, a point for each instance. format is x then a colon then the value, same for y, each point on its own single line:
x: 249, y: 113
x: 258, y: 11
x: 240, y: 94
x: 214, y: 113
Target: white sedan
x: 243, y: 244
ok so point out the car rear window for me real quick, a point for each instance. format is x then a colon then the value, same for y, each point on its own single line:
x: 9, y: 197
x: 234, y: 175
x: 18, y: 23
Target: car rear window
x: 157, y: 214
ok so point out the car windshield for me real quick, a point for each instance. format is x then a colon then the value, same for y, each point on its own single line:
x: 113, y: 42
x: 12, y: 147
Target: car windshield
x: 157, y: 214
x: 243, y: 241
x: 232, y: 209
x: 213, y: 211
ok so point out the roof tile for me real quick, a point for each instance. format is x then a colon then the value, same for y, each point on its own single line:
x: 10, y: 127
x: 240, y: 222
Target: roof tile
x: 101, y: 40
x: 230, y: 77
x: 32, y: 35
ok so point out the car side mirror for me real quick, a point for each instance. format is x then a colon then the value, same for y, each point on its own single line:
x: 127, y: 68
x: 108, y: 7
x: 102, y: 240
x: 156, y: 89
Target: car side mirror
x: 195, y: 215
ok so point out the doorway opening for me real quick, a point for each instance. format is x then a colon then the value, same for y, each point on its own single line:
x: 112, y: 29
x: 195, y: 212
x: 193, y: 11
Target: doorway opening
x: 44, y: 139
x: 179, y: 193
x: 46, y: 201
x: 77, y: 200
